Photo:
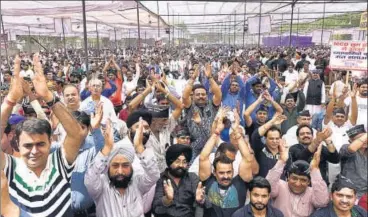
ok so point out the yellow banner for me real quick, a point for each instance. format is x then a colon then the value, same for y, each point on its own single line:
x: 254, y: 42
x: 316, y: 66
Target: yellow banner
x: 363, y: 21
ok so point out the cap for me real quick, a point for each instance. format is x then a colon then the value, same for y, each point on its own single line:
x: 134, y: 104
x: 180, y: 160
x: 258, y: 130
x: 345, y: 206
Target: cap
x: 304, y: 113
x: 356, y: 130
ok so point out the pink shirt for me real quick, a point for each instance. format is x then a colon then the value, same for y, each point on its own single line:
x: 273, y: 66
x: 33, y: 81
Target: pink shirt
x: 293, y: 205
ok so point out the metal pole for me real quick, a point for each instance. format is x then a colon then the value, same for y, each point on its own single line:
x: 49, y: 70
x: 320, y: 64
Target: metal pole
x: 85, y: 32
x: 323, y: 20
x: 168, y: 20
x: 98, y: 41
x: 297, y: 30
x: 282, y: 20
x: 139, y: 30
x: 116, y: 44
x: 234, y: 28
x: 245, y: 11
x: 228, y: 34
x: 129, y: 37
x: 64, y: 43
x: 145, y: 37
x: 29, y: 40
x: 158, y: 19
x: 291, y: 22
x: 259, y: 23
x: 173, y: 38
x: 5, y: 39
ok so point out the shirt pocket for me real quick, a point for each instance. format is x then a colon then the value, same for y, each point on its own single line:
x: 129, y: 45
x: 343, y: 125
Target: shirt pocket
x: 135, y: 207
x: 304, y: 208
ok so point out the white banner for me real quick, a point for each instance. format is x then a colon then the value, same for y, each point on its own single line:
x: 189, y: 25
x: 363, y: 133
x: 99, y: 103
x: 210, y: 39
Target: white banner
x: 349, y: 55
x: 60, y: 23
x: 316, y: 37
x: 253, y: 25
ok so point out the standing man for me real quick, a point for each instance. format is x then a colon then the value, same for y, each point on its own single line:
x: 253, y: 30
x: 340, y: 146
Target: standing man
x: 110, y: 180
x: 200, y: 111
x: 362, y: 102
x: 315, y: 94
x: 259, y: 205
x: 291, y: 110
x: 177, y: 188
x: 113, y: 72
x: 294, y: 197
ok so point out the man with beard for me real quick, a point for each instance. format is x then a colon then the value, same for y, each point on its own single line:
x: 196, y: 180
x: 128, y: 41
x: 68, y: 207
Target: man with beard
x: 225, y: 193
x: 294, y: 197
x: 260, y: 190
x: 362, y: 102
x: 344, y: 196
x: 307, y: 146
x: 354, y: 159
x: 110, y: 180
x: 177, y: 189
x: 200, y: 111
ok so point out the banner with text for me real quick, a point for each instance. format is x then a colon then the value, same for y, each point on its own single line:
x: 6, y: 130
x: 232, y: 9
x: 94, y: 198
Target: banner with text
x: 349, y: 55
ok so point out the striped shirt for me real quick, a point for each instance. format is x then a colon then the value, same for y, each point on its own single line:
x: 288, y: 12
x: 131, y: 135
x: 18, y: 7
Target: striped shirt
x: 47, y: 195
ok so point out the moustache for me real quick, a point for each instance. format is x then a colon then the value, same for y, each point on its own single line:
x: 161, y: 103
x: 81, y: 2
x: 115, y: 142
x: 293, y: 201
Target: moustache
x: 226, y: 179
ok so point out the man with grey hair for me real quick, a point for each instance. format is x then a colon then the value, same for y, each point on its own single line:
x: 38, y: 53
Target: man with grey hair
x: 110, y: 181
x: 89, y: 104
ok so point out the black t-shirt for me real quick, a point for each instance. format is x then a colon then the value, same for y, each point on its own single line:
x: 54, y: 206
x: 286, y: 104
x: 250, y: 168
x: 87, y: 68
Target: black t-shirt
x: 249, y: 130
x: 223, y: 203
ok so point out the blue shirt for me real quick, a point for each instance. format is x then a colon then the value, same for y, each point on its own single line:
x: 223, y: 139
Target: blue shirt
x: 317, y: 120
x: 93, y: 143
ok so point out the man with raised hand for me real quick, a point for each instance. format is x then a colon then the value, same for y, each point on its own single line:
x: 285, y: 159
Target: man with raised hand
x: 39, y: 181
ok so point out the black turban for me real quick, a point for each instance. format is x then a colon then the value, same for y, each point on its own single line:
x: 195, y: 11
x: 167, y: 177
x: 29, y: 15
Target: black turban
x: 174, y: 151
x: 134, y: 118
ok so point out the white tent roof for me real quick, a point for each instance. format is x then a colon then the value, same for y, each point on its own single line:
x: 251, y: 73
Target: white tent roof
x: 39, y: 16
x: 277, y: 9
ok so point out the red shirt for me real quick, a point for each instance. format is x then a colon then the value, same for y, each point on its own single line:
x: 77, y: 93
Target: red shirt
x: 363, y: 202
x: 116, y: 97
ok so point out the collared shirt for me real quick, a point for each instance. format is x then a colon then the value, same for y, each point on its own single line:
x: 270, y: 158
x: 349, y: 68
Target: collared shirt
x: 354, y: 166
x: 329, y: 211
x: 293, y: 205
x: 200, y: 132
x: 108, y: 200
x: 247, y: 211
x: 184, y: 196
x: 92, y: 145
x: 47, y: 195
x: 159, y: 145
x: 88, y: 106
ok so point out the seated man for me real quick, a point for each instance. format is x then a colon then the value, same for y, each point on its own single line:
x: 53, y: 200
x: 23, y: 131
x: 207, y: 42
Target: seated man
x: 294, y: 197
x: 110, y: 180
x: 343, y: 194
x: 354, y: 159
x: 260, y: 190
x: 176, y: 189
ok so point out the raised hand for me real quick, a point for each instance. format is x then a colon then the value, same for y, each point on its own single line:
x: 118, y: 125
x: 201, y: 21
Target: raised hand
x: 39, y: 80
x: 314, y: 164
x: 108, y: 135
x: 159, y: 87
x: 278, y: 119
x: 97, y: 116
x: 283, y: 150
x: 208, y: 71
x: 236, y: 119
x: 200, y: 193
x: 354, y: 91
x: 169, y: 190
x: 324, y: 134
x: 16, y: 90
x: 267, y: 96
x: 138, y: 137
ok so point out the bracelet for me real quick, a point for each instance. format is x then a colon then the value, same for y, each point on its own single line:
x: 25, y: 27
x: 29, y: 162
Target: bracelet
x: 10, y: 103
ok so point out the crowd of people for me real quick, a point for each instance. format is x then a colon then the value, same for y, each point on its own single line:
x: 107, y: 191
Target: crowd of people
x: 188, y: 131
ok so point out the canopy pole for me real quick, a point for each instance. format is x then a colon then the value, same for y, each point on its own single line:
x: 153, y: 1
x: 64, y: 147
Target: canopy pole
x: 98, y: 41
x: 139, y: 30
x: 245, y: 11
x: 158, y: 20
x: 234, y: 28
x: 282, y: 20
x: 85, y: 33
x: 168, y: 20
x: 297, y: 30
x: 29, y: 40
x: 291, y: 22
x: 323, y: 20
x: 5, y: 40
x: 64, y: 43
x: 259, y: 23
x: 228, y: 34
x: 116, y: 45
x: 129, y: 37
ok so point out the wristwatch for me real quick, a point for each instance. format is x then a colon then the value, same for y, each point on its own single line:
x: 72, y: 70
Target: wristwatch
x: 54, y: 100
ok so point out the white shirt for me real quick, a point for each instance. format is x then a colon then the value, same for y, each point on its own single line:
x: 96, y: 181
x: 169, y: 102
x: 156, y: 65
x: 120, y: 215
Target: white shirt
x: 362, y: 110
x: 339, y: 87
x: 108, y: 108
x: 291, y: 137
